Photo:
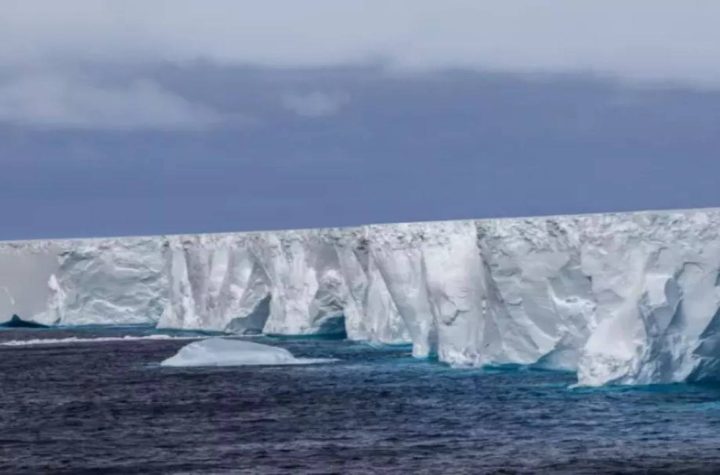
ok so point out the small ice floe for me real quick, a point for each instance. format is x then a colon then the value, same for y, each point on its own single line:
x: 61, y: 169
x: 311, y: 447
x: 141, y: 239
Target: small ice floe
x: 227, y: 352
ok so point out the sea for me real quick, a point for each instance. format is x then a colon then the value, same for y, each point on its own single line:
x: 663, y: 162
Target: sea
x: 96, y: 401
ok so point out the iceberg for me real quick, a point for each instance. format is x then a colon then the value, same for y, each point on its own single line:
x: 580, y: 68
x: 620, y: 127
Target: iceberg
x: 227, y: 352
x: 618, y: 298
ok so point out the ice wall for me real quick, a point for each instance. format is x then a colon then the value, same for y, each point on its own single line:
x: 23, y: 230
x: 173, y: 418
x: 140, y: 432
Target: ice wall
x: 28, y: 286
x: 630, y: 298
x: 76, y: 282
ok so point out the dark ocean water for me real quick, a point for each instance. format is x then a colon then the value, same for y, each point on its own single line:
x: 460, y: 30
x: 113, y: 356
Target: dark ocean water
x: 109, y: 408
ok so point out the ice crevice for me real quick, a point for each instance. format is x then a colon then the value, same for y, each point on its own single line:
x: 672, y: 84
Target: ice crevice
x: 623, y: 298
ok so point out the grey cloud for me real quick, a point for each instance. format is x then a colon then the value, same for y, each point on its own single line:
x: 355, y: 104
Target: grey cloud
x: 315, y: 104
x: 656, y: 40
x: 58, y: 101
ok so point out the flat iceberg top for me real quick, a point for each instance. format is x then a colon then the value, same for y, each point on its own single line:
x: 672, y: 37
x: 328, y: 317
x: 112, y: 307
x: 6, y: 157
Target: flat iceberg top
x: 227, y: 352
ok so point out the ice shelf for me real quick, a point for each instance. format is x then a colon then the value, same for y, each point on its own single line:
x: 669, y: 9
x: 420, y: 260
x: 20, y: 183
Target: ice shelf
x: 629, y: 298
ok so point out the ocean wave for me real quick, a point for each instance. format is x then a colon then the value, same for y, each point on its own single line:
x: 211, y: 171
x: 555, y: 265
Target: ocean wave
x: 74, y: 339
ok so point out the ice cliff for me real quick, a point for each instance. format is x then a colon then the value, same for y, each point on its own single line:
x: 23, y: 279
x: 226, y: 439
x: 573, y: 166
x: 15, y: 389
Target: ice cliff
x: 630, y: 298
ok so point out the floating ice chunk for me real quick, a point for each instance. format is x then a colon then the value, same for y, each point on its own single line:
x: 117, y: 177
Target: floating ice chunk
x: 226, y: 352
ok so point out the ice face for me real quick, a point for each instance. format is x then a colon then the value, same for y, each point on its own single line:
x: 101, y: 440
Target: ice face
x: 629, y: 298
x: 657, y: 291
x: 215, y: 283
x: 225, y: 352
x: 115, y: 281
x: 27, y: 283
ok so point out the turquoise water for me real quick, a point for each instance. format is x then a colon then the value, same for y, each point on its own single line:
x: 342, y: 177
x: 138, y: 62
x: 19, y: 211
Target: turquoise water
x: 108, y: 407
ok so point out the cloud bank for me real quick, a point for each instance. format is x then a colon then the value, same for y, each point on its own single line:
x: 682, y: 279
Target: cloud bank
x: 52, y: 101
x: 315, y: 104
x: 48, y: 47
x: 657, y: 40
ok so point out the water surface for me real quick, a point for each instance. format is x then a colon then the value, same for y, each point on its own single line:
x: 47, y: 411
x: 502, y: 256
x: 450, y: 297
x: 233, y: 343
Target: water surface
x: 108, y: 407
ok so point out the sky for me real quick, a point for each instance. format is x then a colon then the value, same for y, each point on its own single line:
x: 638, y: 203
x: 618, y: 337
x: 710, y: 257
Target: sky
x: 150, y: 117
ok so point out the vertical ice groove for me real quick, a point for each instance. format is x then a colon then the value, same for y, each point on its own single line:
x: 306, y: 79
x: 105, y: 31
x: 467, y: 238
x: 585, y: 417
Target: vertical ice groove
x: 370, y: 312
x: 306, y: 284
x: 452, y: 269
x: 399, y: 260
x: 628, y: 298
x: 216, y: 284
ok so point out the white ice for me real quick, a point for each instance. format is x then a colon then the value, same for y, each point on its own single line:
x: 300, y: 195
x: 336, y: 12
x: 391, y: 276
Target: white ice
x: 230, y: 352
x: 625, y: 298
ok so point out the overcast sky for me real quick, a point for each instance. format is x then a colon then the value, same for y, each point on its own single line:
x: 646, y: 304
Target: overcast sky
x: 145, y: 117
